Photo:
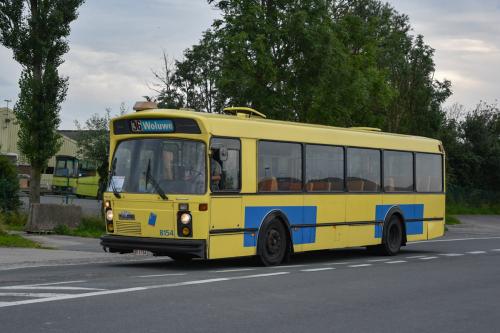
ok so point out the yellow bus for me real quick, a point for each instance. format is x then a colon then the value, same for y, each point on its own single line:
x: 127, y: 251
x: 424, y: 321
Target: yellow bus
x: 196, y: 185
x: 65, y: 175
x: 87, y: 184
x: 75, y: 176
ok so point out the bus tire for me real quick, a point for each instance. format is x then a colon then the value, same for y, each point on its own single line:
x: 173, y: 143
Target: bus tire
x: 392, y: 237
x: 273, y: 243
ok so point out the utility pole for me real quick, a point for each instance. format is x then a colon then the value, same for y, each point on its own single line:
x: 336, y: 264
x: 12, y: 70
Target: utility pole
x: 7, y: 101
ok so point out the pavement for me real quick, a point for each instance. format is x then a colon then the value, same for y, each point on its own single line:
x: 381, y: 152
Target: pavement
x: 445, y: 285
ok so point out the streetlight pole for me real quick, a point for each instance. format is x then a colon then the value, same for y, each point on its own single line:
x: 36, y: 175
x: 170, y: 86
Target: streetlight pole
x: 7, y: 101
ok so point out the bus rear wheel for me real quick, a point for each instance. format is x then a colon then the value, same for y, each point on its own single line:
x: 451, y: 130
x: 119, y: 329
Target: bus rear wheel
x: 392, y: 238
x: 273, y: 244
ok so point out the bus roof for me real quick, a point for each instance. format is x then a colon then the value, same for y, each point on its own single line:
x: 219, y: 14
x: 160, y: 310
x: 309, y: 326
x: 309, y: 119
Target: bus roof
x: 266, y: 129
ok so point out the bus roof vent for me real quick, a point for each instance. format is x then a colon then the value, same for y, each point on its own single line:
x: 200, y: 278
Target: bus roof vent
x: 143, y: 106
x: 244, y: 112
x: 371, y: 129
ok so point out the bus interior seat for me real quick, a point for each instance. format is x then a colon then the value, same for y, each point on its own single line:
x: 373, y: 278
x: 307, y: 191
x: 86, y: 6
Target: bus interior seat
x: 319, y: 186
x: 356, y: 185
x: 268, y: 185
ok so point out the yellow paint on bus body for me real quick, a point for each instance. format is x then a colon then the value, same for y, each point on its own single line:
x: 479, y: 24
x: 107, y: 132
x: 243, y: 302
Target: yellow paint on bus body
x: 349, y: 216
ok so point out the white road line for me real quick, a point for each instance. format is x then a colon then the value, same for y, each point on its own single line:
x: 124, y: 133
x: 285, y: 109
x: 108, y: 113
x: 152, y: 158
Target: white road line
x: 339, y: 263
x: 414, y: 257
x: 46, y: 288
x: 234, y: 270
x: 256, y: 275
x: 452, y: 240
x: 396, y: 262
x: 378, y: 260
x: 317, y: 269
x: 496, y: 250
x: 451, y: 254
x: 158, y: 275
x: 428, y: 258
x: 37, y: 295
x: 31, y: 265
x: 128, y: 290
x: 361, y: 265
x: 476, y: 252
x: 286, y: 266
x: 56, y: 283
x: 22, y: 286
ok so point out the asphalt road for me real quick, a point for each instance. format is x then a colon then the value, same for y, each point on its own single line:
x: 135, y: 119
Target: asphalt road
x: 448, y: 285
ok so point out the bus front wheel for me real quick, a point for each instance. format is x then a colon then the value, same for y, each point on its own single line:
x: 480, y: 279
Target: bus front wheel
x: 392, y: 238
x: 272, y: 243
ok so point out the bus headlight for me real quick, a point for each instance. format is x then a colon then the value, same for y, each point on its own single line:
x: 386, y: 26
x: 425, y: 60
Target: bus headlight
x: 109, y: 215
x: 186, y: 218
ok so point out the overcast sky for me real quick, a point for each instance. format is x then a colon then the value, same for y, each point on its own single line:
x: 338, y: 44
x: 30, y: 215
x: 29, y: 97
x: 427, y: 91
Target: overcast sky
x: 115, y: 44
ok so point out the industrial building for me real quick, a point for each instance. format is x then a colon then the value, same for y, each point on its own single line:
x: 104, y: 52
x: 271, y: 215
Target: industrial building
x: 9, y: 129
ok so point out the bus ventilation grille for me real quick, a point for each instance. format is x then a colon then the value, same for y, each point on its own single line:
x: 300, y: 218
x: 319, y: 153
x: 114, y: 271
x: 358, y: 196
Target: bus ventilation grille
x: 128, y: 228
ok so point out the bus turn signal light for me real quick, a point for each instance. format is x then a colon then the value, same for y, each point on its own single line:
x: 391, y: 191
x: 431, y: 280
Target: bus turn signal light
x: 203, y: 207
x: 186, y: 231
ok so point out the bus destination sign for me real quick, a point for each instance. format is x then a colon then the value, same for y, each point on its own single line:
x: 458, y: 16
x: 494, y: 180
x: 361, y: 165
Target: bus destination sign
x: 151, y: 126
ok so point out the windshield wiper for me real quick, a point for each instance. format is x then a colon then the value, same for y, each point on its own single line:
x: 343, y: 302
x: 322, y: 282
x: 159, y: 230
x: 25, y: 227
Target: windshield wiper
x: 150, y: 179
x: 110, y: 177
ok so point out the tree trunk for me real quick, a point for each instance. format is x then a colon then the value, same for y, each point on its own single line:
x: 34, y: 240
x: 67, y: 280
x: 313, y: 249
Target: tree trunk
x: 35, y: 185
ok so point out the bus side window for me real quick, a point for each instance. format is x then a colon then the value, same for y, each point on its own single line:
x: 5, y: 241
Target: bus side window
x: 225, y: 169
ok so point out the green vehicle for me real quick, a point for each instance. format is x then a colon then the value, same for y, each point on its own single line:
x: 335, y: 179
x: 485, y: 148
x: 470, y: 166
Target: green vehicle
x: 74, y: 176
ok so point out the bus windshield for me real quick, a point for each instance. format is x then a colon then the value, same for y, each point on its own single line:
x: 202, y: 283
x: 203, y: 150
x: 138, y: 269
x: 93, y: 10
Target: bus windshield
x: 176, y: 166
x: 65, y: 167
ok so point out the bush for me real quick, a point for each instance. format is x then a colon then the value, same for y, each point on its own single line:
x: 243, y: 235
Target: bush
x: 13, y: 220
x: 89, y: 227
x: 9, y: 186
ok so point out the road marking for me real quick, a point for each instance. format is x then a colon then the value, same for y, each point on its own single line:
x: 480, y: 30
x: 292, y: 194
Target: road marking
x: 56, y: 283
x: 317, y: 269
x: 286, y: 266
x: 134, y: 289
x: 158, y: 275
x: 361, y: 265
x: 452, y: 240
x: 377, y: 260
x: 47, y: 288
x: 257, y: 275
x: 497, y: 250
x: 396, y: 262
x: 93, y: 262
x: 234, y: 270
x: 476, y: 252
x: 415, y: 257
x: 340, y: 263
x: 451, y: 254
x: 428, y: 258
x: 37, y: 295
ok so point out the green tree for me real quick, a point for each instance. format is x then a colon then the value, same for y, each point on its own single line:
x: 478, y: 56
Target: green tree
x: 9, y: 186
x: 93, y: 142
x: 36, y: 31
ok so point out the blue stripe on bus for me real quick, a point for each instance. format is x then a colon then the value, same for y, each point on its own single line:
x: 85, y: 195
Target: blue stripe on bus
x: 295, y: 214
x: 410, y: 211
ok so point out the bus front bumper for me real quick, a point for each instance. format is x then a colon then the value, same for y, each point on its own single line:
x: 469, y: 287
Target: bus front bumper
x: 123, y: 244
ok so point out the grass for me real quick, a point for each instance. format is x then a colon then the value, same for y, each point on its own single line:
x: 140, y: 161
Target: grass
x: 7, y: 240
x: 13, y: 220
x: 92, y: 227
x: 451, y: 220
x: 465, y: 209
